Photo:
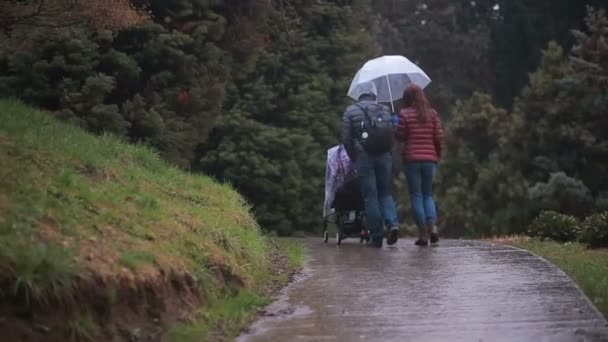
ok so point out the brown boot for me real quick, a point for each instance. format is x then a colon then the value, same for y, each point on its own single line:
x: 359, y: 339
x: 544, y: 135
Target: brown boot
x: 423, y: 238
x: 433, y: 233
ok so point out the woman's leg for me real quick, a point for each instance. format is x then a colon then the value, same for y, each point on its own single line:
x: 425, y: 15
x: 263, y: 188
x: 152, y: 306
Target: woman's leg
x: 428, y: 171
x: 414, y: 184
x: 428, y: 175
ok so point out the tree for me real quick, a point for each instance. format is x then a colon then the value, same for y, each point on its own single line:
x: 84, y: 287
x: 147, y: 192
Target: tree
x: 564, y: 194
x: 590, y: 84
x: 22, y: 20
x: 291, y: 104
x: 562, y: 112
x: 480, y: 191
x: 448, y: 39
x: 180, y: 65
x: 501, y: 168
x: 521, y: 30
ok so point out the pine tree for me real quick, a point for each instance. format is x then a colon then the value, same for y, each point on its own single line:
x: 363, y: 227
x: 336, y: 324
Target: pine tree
x: 481, y: 190
x: 162, y: 83
x: 522, y: 29
x: 291, y: 104
x: 501, y: 169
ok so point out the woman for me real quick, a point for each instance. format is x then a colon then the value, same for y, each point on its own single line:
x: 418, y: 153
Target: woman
x: 420, y: 129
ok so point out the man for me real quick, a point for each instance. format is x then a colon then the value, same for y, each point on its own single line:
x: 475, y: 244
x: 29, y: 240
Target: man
x: 367, y: 135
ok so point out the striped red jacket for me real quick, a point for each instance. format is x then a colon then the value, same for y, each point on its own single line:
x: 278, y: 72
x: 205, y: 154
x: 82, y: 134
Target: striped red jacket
x: 422, y: 139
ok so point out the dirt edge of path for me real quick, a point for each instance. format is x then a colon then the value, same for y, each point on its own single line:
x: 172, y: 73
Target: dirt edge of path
x: 124, y: 308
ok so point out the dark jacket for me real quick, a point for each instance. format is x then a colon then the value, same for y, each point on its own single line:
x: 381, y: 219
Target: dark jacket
x: 422, y: 139
x: 351, y: 126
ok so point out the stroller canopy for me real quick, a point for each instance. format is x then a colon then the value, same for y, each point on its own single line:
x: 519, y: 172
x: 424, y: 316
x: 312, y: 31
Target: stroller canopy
x: 339, y: 170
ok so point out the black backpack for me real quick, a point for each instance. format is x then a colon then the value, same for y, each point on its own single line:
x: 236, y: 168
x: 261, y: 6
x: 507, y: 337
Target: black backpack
x: 376, y: 129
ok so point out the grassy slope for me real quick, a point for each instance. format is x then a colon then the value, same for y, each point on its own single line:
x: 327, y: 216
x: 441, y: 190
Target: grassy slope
x: 229, y: 315
x: 588, y: 268
x: 74, y: 206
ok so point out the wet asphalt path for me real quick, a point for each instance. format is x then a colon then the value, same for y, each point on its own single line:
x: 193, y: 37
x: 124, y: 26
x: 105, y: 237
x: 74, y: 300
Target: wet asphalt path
x: 459, y: 291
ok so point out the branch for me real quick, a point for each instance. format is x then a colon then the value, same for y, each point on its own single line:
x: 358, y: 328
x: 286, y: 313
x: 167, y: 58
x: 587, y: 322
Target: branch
x: 584, y: 63
x: 39, y: 13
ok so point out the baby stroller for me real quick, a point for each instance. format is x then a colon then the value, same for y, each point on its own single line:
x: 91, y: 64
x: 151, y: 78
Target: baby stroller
x: 343, y: 201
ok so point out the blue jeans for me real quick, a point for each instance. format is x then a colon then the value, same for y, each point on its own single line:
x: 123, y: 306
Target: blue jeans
x: 375, y: 176
x: 420, y: 184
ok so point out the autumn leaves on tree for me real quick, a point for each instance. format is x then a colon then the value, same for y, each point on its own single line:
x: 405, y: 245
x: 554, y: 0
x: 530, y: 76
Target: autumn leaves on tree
x: 111, y: 15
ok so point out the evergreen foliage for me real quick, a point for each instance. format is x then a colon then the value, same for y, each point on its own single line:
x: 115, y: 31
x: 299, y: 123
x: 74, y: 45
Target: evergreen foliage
x: 252, y: 93
x: 549, y: 153
x: 286, y: 112
x: 161, y: 83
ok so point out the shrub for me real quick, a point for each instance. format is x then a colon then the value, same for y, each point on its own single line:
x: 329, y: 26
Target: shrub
x: 601, y: 201
x: 594, y: 230
x: 563, y: 194
x: 555, y: 226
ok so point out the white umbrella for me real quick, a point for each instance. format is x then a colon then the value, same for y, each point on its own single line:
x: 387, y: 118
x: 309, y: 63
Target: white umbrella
x: 390, y: 74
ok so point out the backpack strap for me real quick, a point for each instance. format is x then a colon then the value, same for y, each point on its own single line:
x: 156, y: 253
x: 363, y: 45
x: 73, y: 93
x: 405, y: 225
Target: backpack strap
x: 365, y: 112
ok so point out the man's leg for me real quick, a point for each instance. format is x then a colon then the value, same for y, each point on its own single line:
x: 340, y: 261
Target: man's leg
x: 367, y: 179
x: 384, y: 180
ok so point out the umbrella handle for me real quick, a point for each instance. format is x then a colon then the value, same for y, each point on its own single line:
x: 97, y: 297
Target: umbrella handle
x: 390, y: 93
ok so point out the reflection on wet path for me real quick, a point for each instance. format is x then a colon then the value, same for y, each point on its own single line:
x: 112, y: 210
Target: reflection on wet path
x: 459, y: 291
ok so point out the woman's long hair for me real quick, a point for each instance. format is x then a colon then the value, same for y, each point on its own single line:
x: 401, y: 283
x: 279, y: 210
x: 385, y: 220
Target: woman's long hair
x: 413, y: 97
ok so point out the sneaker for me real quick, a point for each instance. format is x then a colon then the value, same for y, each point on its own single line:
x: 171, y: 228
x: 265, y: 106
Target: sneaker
x: 393, y: 236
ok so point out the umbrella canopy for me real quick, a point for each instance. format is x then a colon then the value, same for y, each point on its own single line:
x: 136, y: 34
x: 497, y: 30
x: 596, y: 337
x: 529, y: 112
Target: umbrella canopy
x: 390, y: 74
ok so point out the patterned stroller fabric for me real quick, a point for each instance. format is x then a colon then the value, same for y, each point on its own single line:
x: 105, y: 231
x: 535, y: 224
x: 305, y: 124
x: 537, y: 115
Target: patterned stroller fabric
x: 339, y: 170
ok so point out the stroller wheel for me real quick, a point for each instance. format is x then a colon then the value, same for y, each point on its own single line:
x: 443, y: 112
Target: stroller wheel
x: 364, y: 236
x: 325, y: 236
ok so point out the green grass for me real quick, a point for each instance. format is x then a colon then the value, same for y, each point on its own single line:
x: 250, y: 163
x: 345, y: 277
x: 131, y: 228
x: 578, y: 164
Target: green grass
x: 39, y: 271
x: 295, y: 252
x: 588, y: 268
x: 134, y: 259
x: 73, y: 205
x: 82, y: 328
x: 223, y: 318
x: 226, y: 316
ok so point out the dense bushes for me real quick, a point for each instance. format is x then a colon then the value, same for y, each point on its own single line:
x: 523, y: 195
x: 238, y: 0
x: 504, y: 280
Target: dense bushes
x: 561, y: 193
x: 554, y: 226
x: 551, y: 225
x: 595, y: 230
